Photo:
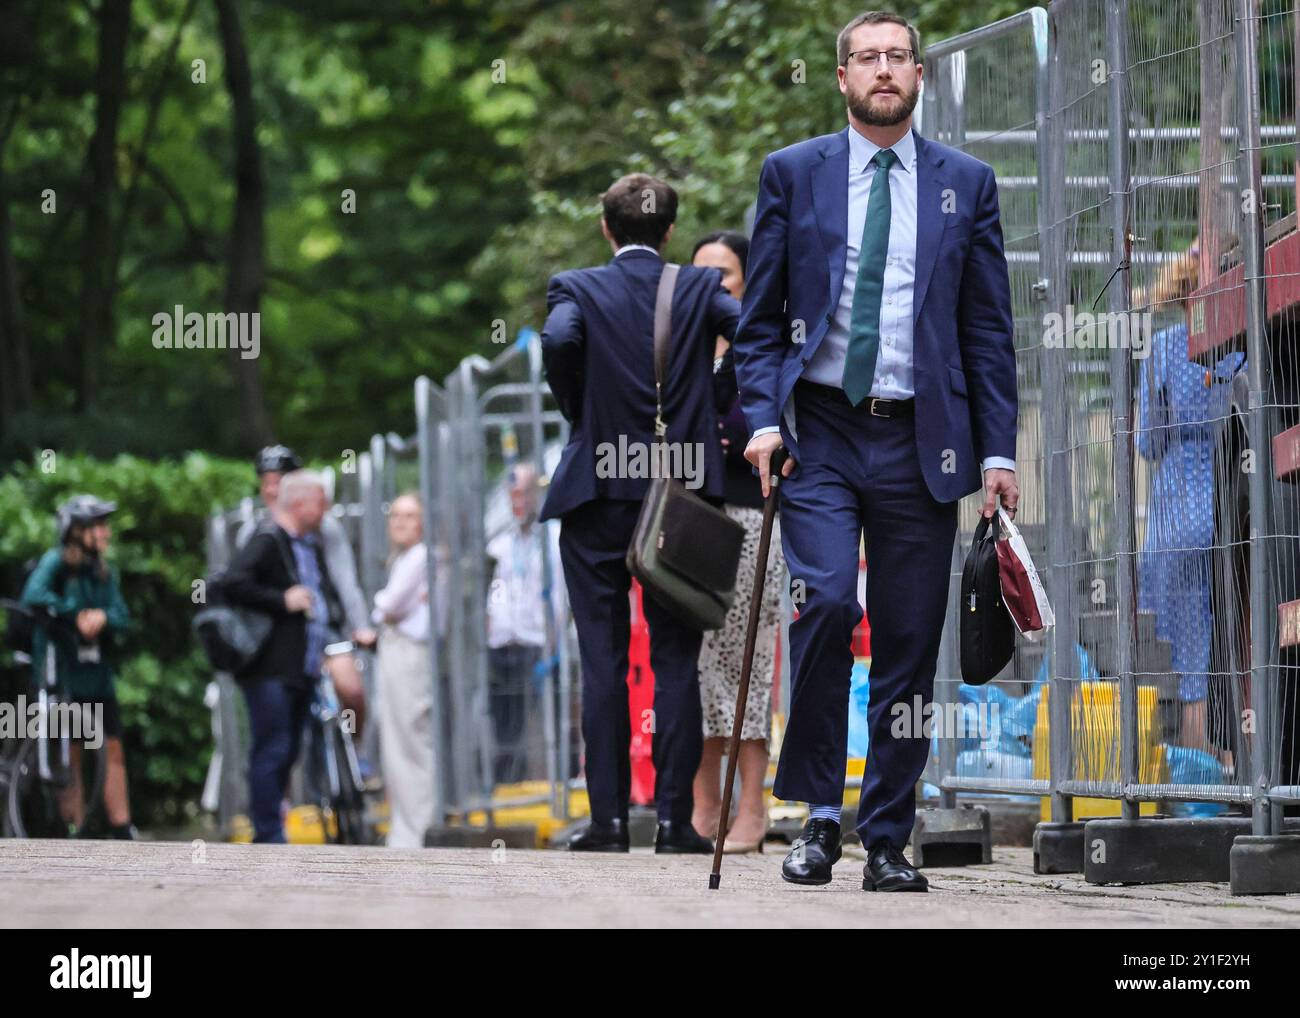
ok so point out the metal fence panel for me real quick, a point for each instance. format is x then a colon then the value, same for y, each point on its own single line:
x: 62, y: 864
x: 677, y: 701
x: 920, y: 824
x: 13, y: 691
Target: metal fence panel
x: 1156, y: 389
x: 986, y: 94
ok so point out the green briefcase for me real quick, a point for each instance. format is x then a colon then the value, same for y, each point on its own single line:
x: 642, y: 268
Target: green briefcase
x: 684, y: 552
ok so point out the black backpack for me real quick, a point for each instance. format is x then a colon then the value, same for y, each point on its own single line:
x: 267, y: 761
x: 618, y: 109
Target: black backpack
x: 19, y: 626
x: 988, y: 637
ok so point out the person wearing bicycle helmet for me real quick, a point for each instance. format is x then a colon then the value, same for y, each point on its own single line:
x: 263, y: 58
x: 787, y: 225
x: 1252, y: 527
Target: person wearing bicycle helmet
x: 78, y: 585
x: 271, y: 464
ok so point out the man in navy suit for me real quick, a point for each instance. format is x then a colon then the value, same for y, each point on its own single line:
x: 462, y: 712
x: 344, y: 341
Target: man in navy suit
x: 876, y: 346
x: 598, y: 348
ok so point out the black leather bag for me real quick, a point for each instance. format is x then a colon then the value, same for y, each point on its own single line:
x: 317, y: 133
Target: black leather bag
x: 231, y: 636
x: 988, y: 636
x: 684, y: 551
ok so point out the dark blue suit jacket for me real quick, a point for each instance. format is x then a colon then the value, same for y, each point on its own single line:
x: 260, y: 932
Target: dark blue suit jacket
x: 963, y: 354
x: 598, y: 349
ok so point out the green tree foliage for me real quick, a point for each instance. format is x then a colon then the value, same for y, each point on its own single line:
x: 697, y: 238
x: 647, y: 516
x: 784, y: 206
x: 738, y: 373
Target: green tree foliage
x: 385, y: 99
x: 695, y: 93
x: 474, y: 138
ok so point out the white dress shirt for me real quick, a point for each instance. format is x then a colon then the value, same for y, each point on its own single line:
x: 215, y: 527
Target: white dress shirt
x: 516, y: 605
x: 403, y: 599
x: 894, y: 378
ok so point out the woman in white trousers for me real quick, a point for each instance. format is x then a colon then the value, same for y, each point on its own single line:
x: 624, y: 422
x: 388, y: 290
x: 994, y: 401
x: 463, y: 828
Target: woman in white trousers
x: 405, y: 683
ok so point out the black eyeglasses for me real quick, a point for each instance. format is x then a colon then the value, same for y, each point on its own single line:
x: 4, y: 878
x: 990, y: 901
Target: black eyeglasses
x: 871, y: 57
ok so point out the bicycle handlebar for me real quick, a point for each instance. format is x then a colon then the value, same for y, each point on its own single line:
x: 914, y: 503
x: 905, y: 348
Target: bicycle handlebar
x: 42, y: 615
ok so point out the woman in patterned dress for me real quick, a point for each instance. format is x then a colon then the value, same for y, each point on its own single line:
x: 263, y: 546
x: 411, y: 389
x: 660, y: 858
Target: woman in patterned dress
x: 1181, y: 405
x: 723, y: 649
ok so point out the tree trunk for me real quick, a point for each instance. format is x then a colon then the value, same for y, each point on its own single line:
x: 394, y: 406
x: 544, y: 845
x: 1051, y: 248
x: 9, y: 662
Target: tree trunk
x: 166, y: 70
x: 15, y: 360
x: 97, y: 290
x: 246, y: 276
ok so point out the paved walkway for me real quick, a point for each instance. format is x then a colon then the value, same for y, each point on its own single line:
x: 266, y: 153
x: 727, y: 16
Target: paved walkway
x: 183, y: 884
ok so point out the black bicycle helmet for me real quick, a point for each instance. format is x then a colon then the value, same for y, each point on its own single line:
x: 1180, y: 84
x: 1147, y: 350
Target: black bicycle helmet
x: 80, y: 511
x: 278, y: 459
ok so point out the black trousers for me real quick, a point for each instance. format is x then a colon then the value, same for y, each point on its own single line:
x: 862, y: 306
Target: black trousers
x: 511, y: 685
x: 593, y: 543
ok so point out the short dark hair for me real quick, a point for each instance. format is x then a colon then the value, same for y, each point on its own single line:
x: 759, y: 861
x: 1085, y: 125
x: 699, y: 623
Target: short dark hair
x: 639, y: 209
x: 737, y: 242
x: 876, y: 18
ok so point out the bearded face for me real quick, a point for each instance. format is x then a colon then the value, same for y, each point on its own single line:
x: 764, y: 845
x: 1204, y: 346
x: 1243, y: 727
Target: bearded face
x: 882, y: 102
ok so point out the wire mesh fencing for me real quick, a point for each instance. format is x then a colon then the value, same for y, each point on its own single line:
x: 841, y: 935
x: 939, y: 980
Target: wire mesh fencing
x: 986, y: 94
x: 1149, y: 216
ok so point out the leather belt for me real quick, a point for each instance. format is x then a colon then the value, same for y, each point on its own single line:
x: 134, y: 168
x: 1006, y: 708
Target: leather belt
x: 873, y: 405
x: 889, y: 407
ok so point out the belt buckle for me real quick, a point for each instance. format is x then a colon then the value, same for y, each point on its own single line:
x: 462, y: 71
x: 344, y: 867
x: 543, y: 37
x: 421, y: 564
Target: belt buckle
x: 874, y: 401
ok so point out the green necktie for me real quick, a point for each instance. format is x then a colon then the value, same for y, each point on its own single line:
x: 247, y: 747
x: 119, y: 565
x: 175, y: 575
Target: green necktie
x: 864, y: 322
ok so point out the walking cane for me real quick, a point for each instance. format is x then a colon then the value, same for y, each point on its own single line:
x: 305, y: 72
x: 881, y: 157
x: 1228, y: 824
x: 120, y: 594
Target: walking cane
x: 747, y: 663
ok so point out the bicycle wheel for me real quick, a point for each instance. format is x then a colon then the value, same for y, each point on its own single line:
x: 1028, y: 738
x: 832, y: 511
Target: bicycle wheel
x: 350, y: 805
x: 32, y: 805
x: 5, y: 770
x: 324, y: 782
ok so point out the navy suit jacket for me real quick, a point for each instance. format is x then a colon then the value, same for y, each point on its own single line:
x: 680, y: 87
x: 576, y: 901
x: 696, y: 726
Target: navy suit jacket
x: 598, y: 350
x: 963, y: 353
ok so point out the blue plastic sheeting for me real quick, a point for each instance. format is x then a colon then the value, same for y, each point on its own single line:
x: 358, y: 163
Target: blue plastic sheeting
x: 985, y: 719
x: 1189, y: 766
x: 859, y: 697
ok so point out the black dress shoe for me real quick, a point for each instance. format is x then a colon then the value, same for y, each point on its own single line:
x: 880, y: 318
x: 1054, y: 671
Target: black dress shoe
x: 813, y: 853
x: 610, y: 837
x: 887, y: 869
x: 680, y: 838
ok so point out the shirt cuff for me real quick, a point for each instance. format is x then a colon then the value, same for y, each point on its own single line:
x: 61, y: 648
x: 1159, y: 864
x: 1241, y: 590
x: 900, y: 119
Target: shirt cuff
x: 998, y: 463
x: 767, y: 431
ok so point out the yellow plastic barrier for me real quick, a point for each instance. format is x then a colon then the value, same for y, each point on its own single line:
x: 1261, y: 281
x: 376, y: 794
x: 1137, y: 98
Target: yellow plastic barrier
x: 1095, y: 725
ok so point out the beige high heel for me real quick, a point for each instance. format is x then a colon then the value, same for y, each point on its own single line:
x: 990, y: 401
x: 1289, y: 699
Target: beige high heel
x: 745, y: 847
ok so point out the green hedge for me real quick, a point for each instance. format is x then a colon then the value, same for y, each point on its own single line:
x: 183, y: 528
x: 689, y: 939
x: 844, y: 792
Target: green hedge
x: 158, y: 545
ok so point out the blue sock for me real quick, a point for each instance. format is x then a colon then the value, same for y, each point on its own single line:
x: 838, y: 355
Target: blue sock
x: 824, y: 813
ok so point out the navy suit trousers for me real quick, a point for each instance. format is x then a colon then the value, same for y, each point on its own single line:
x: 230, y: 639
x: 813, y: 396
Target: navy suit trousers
x: 277, y: 713
x: 858, y: 477
x: 593, y: 543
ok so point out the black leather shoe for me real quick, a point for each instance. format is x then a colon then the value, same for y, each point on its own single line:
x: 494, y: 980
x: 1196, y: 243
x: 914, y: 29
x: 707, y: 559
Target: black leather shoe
x: 610, y: 837
x: 813, y: 853
x: 887, y: 869
x: 674, y: 838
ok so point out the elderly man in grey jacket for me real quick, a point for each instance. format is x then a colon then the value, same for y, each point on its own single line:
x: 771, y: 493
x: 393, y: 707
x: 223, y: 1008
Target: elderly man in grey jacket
x: 272, y: 463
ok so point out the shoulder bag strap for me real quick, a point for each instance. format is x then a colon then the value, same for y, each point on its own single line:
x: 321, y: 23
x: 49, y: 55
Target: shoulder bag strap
x: 284, y: 545
x: 663, y: 340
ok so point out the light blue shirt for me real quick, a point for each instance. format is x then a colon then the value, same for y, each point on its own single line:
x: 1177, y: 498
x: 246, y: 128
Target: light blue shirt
x: 894, y: 374
x: 304, y: 557
x: 893, y: 378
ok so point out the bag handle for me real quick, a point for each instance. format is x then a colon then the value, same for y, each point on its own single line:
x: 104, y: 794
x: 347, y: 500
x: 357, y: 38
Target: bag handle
x: 982, y: 528
x: 663, y: 340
